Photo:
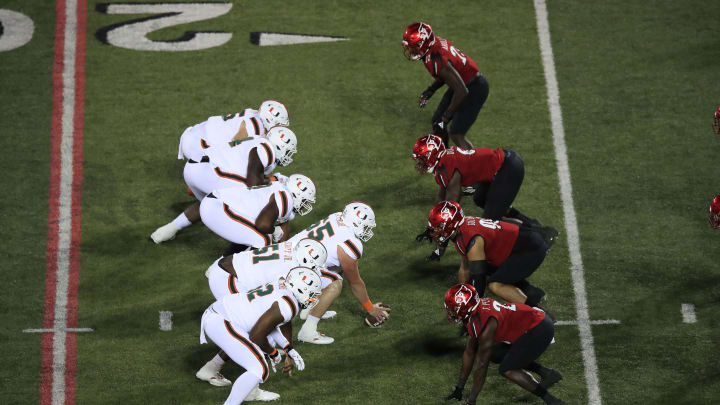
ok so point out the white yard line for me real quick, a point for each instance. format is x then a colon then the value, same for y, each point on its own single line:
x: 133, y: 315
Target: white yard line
x: 688, y: 313
x: 165, y: 322
x: 597, y: 322
x: 72, y: 330
x: 571, y: 228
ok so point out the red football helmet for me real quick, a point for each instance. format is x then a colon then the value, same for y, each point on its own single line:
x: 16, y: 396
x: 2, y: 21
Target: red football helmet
x: 460, y: 301
x: 716, y: 121
x: 426, y: 152
x: 417, y: 40
x: 444, y: 219
x: 714, y: 217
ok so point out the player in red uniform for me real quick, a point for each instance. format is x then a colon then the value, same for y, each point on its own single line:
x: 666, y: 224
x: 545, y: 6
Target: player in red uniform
x: 497, y: 253
x: 468, y: 88
x: 528, y: 330
x: 714, y: 216
x: 496, y: 175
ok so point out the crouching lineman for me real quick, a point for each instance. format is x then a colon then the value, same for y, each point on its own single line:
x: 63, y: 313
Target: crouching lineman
x: 241, y: 324
x: 527, y: 329
x: 222, y: 129
x: 498, y: 253
x: 247, y: 215
x: 342, y: 234
x: 245, y: 164
x: 244, y: 271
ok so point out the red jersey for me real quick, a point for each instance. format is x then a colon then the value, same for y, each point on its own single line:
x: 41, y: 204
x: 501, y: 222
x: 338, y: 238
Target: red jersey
x: 513, y: 319
x: 475, y: 165
x: 443, y: 51
x: 499, y: 237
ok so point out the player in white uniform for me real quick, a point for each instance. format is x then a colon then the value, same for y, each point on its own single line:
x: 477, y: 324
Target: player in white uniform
x: 247, y: 215
x: 222, y: 129
x: 245, y: 271
x: 342, y: 233
x: 242, y: 324
x: 247, y: 163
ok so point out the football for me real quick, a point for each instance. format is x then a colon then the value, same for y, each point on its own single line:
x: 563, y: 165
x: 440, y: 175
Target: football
x: 372, y: 321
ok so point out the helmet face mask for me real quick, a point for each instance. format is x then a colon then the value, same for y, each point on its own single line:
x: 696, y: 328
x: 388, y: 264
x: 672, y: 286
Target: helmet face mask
x: 305, y: 285
x: 444, y: 219
x: 714, y: 213
x: 310, y: 253
x: 302, y: 190
x: 361, y: 218
x: 417, y: 40
x: 426, y: 153
x: 460, y: 301
x: 284, y: 142
x: 273, y: 113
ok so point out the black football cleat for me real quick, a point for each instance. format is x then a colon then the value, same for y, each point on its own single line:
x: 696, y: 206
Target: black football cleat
x: 552, y: 378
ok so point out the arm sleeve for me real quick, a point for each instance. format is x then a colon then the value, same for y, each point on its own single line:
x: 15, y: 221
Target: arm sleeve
x: 288, y: 308
x: 478, y: 275
x: 279, y: 338
x: 352, y: 247
x: 265, y: 153
x: 284, y: 205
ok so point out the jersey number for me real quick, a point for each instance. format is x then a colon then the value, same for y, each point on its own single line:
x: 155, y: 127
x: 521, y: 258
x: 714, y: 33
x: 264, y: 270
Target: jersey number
x: 261, y: 251
x: 315, y: 231
x: 509, y: 307
x: 261, y: 291
x: 488, y: 223
x: 458, y: 54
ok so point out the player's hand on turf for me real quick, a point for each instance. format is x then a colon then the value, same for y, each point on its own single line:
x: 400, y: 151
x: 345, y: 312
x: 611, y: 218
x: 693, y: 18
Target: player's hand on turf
x: 437, y: 253
x: 380, y: 311
x: 457, y: 394
x: 293, y: 359
x: 427, y: 234
x: 425, y: 96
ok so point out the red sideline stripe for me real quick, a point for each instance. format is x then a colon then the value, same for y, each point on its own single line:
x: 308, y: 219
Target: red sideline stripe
x: 54, y: 202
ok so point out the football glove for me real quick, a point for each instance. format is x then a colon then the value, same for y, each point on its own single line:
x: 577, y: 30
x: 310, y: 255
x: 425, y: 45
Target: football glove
x: 438, y: 252
x: 299, y: 362
x: 441, y: 126
x: 275, y: 358
x: 425, y: 96
x: 427, y: 234
x: 277, y: 234
x: 457, y: 394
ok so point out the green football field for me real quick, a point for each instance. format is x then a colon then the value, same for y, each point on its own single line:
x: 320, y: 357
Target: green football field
x: 638, y: 83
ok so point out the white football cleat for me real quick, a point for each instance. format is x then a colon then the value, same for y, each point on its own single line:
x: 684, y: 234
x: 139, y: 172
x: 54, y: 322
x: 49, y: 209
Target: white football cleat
x: 316, y: 338
x: 327, y: 315
x: 164, y: 233
x: 213, y: 377
x: 261, y: 395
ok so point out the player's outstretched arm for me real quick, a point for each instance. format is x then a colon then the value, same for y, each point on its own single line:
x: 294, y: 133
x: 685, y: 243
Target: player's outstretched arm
x: 357, y: 285
x: 255, y: 170
x: 482, y: 359
x: 264, y: 326
x: 477, y: 265
x: 425, y: 96
x: 453, y: 188
x: 265, y: 221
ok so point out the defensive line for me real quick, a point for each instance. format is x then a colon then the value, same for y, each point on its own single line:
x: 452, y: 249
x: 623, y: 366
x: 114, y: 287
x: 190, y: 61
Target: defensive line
x: 571, y: 228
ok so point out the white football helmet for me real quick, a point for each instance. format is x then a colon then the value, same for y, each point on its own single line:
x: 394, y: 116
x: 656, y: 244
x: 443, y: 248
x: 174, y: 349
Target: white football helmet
x: 311, y: 253
x: 273, y: 113
x: 302, y: 190
x: 305, y: 285
x: 361, y: 218
x: 284, y: 142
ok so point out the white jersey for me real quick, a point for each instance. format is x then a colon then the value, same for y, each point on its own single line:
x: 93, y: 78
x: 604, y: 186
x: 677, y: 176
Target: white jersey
x: 232, y: 161
x: 259, y: 266
x: 221, y: 129
x: 244, y: 309
x: 245, y: 203
x: 332, y: 232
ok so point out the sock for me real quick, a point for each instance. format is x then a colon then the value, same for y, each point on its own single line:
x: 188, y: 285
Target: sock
x: 217, y: 361
x: 242, y: 387
x: 310, y: 324
x: 181, y: 221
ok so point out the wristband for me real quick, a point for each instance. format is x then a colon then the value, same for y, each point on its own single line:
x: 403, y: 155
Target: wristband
x: 288, y: 348
x: 273, y: 353
x: 367, y: 305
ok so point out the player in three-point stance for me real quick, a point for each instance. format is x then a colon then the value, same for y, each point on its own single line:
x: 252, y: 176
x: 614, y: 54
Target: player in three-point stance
x: 714, y: 213
x: 246, y: 163
x: 243, y: 272
x: 468, y: 88
x: 497, y: 253
x: 220, y: 130
x: 489, y: 323
x: 242, y: 324
x: 342, y: 234
x: 496, y: 175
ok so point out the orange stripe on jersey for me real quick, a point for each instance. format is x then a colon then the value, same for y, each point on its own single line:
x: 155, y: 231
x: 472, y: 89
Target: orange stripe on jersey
x: 256, y: 125
x: 230, y: 176
x: 270, y: 157
x: 250, y: 346
x: 204, y: 144
x: 237, y: 218
x: 283, y: 198
x: 231, y: 284
x: 290, y: 302
x: 352, y: 247
x: 328, y: 275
